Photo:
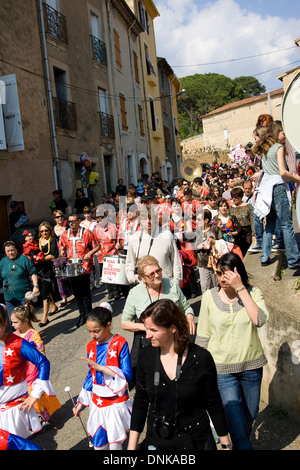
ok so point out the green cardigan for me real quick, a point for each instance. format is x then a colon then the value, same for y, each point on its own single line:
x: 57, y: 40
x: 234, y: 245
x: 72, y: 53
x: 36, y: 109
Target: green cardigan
x: 228, y: 333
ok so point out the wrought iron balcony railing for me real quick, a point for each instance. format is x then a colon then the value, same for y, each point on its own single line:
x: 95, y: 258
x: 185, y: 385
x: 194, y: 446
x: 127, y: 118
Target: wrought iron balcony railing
x: 99, y: 50
x: 65, y: 114
x: 55, y: 24
x: 107, y: 125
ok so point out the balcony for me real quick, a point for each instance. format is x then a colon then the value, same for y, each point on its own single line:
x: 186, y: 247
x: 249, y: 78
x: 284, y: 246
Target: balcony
x: 107, y: 126
x: 55, y: 24
x: 99, y: 50
x: 65, y: 114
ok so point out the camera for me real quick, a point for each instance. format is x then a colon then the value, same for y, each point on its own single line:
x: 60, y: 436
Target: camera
x: 164, y: 427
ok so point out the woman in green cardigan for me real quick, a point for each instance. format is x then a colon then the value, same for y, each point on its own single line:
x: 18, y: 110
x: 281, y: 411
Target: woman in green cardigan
x: 229, y: 317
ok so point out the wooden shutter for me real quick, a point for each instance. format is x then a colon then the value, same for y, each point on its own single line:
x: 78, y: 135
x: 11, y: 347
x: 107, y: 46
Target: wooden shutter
x: 123, y: 112
x: 136, y: 68
x: 12, y: 115
x: 117, y: 49
x: 141, y: 120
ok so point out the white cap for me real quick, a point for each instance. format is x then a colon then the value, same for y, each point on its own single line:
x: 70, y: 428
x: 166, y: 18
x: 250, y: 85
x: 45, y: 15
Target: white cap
x: 106, y: 305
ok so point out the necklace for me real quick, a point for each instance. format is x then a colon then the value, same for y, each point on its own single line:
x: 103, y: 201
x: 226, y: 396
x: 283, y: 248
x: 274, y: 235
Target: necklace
x: 41, y: 246
x: 228, y: 299
x: 153, y: 289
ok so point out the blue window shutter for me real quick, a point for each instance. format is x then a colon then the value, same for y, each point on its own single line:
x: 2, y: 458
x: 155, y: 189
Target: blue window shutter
x: 12, y: 115
x: 2, y: 130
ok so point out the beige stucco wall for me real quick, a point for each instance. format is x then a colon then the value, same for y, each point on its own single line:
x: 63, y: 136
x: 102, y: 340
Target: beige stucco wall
x: 236, y: 123
x: 27, y: 175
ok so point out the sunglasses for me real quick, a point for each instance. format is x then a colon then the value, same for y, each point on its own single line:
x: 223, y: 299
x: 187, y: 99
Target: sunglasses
x: 42, y: 231
x: 59, y: 217
x: 152, y: 275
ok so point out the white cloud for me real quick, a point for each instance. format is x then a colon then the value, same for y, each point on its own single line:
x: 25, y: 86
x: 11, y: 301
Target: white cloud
x: 194, y: 32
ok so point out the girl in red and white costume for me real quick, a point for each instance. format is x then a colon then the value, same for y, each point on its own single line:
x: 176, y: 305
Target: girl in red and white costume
x: 105, y: 388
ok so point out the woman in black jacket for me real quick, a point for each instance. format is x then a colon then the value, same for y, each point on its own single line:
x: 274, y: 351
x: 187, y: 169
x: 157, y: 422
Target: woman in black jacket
x: 178, y: 379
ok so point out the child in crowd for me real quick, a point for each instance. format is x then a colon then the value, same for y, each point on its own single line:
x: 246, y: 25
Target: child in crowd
x: 105, y: 388
x: 30, y: 247
x: 21, y: 320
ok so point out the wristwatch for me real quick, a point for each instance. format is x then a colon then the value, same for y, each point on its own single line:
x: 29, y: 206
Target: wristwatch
x: 36, y: 285
x: 226, y: 446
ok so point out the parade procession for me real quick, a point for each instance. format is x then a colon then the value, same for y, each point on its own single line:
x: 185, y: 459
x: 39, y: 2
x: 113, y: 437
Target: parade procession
x: 149, y: 281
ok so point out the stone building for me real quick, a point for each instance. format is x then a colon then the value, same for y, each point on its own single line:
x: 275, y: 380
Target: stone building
x: 83, y: 100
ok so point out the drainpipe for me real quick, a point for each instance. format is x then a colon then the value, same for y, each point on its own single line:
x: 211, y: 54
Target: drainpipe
x: 50, y: 102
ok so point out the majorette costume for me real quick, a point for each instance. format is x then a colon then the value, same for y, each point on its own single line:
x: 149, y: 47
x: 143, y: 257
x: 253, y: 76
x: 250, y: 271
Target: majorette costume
x: 14, y: 354
x: 46, y: 405
x: 107, y: 397
x: 9, y: 441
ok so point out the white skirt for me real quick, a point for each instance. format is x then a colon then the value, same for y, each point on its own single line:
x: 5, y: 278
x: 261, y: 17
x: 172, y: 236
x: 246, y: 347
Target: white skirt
x: 20, y: 422
x: 114, y: 419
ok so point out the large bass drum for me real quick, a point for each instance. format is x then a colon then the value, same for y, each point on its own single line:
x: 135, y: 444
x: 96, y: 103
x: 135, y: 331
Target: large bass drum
x: 291, y: 122
x: 113, y: 271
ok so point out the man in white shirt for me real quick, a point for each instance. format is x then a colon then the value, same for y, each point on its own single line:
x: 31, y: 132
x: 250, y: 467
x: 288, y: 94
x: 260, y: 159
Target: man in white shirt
x: 156, y: 241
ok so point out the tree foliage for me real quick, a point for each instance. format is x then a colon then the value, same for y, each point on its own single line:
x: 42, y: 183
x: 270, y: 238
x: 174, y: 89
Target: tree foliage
x: 207, y: 92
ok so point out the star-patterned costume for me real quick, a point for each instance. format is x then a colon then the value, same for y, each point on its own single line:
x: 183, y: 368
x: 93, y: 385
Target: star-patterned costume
x: 14, y: 354
x: 10, y: 441
x: 107, y: 397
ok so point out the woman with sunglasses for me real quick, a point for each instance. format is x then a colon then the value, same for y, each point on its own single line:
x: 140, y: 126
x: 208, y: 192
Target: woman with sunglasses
x: 229, y: 318
x: 152, y: 287
x: 48, y: 245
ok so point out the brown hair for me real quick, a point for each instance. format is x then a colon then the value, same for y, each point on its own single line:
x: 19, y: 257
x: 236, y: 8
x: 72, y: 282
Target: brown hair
x: 264, y: 120
x: 25, y: 313
x: 166, y: 313
x: 237, y: 191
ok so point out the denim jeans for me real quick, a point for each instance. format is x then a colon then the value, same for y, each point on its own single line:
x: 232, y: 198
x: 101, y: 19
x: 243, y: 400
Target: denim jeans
x: 259, y: 230
x: 280, y: 209
x: 240, y: 395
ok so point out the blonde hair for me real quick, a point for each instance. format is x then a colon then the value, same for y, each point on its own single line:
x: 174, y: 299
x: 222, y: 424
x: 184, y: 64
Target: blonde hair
x: 57, y: 212
x: 147, y: 260
x: 46, y: 224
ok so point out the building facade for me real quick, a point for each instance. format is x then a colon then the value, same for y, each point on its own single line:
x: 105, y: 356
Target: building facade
x: 80, y: 100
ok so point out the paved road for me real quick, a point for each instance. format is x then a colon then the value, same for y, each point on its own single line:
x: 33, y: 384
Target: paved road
x: 65, y: 345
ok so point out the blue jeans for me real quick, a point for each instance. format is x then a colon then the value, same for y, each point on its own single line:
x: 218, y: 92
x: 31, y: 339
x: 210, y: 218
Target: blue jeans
x: 259, y: 230
x: 240, y: 395
x: 280, y: 209
x: 9, y: 308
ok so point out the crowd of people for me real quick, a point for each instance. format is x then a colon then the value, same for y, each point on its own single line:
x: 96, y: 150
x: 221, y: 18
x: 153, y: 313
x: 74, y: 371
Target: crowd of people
x: 176, y: 242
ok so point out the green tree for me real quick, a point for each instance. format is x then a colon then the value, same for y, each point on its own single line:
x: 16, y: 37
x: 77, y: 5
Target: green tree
x: 204, y: 93
x: 251, y: 86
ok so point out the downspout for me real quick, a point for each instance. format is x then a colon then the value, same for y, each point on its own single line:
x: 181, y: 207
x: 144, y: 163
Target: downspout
x: 49, y: 93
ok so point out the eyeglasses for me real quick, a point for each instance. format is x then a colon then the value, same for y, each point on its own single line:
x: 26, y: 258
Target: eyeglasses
x: 42, y: 231
x: 154, y: 273
x: 72, y: 221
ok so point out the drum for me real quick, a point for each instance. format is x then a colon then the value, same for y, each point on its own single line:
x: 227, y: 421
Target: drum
x: 74, y: 267
x: 113, y: 271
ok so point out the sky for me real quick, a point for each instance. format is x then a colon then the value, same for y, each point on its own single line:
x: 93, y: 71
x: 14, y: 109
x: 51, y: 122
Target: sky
x: 230, y: 37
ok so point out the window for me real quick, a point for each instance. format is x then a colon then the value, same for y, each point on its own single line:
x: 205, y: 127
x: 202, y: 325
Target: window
x: 11, y: 132
x: 117, y: 49
x: 141, y: 120
x: 123, y: 112
x: 144, y: 19
x: 152, y: 113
